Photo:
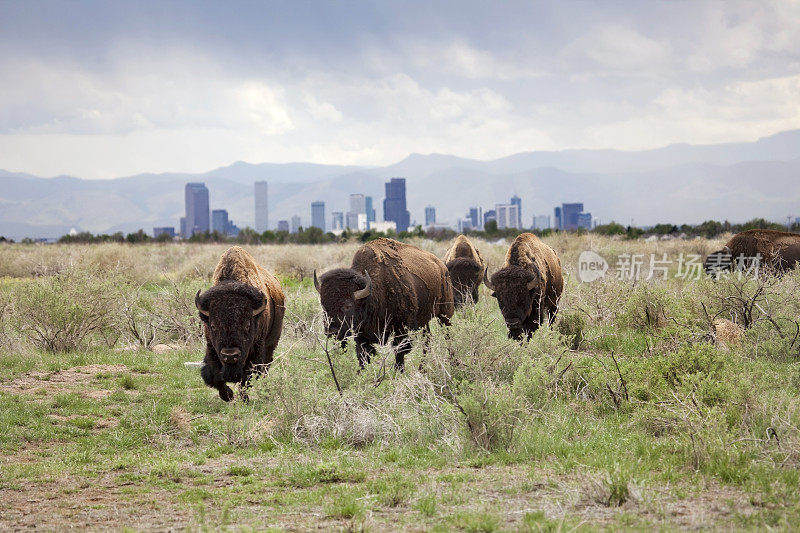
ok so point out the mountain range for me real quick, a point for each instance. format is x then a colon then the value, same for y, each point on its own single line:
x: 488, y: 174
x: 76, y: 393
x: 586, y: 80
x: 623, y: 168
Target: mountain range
x: 678, y: 184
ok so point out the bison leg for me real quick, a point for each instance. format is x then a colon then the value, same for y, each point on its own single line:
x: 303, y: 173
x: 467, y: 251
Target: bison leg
x: 212, y: 375
x: 402, y: 345
x: 364, y: 350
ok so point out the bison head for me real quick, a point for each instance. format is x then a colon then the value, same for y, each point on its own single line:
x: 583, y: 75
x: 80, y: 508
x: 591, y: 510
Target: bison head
x: 466, y: 275
x: 718, y: 261
x: 518, y: 292
x: 343, y: 293
x: 230, y: 312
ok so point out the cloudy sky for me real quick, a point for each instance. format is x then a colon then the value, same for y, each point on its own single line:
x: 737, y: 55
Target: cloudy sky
x: 105, y: 89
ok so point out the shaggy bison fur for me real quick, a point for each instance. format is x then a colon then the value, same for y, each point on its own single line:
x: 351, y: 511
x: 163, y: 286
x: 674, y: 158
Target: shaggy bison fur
x: 467, y: 269
x: 391, y: 288
x: 242, y: 316
x: 528, y: 286
x: 778, y: 252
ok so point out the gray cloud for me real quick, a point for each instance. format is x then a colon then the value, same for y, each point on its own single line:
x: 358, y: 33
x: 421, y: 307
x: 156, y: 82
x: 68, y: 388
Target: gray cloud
x: 105, y: 89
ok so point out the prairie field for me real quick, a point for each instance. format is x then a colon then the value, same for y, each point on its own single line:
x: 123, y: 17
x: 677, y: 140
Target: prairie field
x: 668, y: 403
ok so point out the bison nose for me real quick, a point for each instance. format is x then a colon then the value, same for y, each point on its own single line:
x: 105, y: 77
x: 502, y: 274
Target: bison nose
x: 230, y: 356
x: 513, y: 321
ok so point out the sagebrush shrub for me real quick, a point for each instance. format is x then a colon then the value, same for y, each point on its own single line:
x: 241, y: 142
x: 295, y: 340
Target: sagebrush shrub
x: 63, y: 312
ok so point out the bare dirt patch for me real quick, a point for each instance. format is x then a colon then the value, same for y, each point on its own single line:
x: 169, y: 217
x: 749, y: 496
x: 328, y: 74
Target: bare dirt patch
x: 73, y: 379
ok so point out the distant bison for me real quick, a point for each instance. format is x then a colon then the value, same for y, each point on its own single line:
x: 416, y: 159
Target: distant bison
x: 778, y: 251
x: 467, y: 269
x: 528, y: 286
x: 391, y: 288
x: 242, y: 316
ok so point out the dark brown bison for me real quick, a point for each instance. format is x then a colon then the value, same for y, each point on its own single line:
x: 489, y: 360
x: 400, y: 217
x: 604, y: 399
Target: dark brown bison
x: 776, y: 250
x: 391, y: 288
x: 528, y: 286
x: 242, y: 316
x: 467, y: 269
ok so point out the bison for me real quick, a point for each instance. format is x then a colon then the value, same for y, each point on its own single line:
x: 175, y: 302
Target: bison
x: 777, y: 250
x: 242, y: 316
x: 467, y: 270
x: 391, y: 289
x: 528, y: 286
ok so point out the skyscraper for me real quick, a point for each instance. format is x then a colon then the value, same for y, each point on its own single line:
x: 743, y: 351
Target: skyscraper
x: 476, y: 216
x: 196, y: 209
x: 262, y: 218
x: 541, y: 222
x: 517, y: 201
x: 296, y: 223
x: 283, y: 225
x: 394, y: 206
x: 370, y: 210
x: 430, y: 215
x: 337, y: 220
x: 318, y: 215
x: 219, y: 221
x: 557, y: 222
x: 569, y: 215
x: 491, y: 214
x: 507, y: 216
x: 358, y: 204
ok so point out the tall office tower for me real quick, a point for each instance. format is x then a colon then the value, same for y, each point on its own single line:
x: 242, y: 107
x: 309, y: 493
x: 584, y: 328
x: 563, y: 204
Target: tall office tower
x: 476, y: 216
x: 507, y: 216
x: 358, y: 204
x: 430, y: 215
x: 337, y: 220
x: 517, y: 201
x: 370, y: 210
x: 394, y: 205
x: 491, y: 214
x: 219, y: 221
x: 296, y: 223
x: 569, y: 215
x: 557, y: 221
x: 262, y: 211
x: 197, y: 213
x: 182, y: 231
x: 541, y: 222
x: 585, y: 221
x: 318, y: 215
x: 283, y: 225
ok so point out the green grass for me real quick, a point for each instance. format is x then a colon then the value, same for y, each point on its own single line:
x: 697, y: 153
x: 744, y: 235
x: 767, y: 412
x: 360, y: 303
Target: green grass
x: 479, y: 434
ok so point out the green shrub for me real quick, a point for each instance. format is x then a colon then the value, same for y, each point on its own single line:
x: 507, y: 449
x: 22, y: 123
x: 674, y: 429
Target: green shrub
x: 64, y: 312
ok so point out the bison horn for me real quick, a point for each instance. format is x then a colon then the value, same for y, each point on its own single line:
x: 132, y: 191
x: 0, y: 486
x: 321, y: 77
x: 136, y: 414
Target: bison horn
x: 487, y: 280
x: 316, y: 281
x: 197, y: 303
x: 260, y: 308
x: 363, y: 293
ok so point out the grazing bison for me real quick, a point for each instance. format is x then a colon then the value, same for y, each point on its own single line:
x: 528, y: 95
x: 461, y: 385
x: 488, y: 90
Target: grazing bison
x: 777, y: 250
x: 528, y: 286
x: 467, y: 269
x: 242, y: 316
x: 391, y: 288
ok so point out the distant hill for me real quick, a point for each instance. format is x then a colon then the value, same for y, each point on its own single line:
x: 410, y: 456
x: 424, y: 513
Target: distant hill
x: 678, y: 183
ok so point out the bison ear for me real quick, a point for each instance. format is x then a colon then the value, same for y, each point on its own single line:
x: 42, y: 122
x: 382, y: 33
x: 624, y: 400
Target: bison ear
x: 199, y: 305
x: 363, y: 293
x: 316, y: 281
x: 260, y: 308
